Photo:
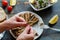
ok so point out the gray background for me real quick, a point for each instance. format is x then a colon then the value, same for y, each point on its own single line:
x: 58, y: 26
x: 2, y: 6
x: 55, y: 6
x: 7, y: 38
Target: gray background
x: 45, y: 14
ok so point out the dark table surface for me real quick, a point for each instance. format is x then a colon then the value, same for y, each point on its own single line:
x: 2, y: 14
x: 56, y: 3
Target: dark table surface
x: 45, y: 14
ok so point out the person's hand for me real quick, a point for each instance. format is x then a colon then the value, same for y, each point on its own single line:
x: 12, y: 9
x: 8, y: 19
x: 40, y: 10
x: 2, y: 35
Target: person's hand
x: 13, y: 22
x: 27, y: 34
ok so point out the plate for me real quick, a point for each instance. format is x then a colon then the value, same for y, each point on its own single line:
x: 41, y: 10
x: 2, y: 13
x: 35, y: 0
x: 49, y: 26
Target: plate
x: 36, y: 27
x: 44, y: 7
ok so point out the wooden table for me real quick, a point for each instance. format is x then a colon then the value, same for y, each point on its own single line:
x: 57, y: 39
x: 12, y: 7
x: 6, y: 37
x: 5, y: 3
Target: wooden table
x: 45, y: 14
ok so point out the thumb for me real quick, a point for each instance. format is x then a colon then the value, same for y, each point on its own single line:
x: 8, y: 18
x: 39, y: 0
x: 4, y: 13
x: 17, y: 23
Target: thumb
x: 27, y: 29
x: 31, y: 31
x: 20, y: 19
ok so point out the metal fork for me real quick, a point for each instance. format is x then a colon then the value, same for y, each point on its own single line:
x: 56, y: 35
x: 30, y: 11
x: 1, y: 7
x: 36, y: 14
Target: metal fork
x: 47, y: 27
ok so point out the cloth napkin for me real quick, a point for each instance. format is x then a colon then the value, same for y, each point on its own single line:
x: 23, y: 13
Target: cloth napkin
x: 2, y: 34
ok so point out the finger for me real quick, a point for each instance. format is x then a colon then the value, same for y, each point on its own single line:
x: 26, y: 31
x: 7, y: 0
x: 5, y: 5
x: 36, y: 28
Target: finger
x: 20, y: 19
x: 30, y: 36
x: 31, y: 31
x: 27, y: 29
x: 20, y: 23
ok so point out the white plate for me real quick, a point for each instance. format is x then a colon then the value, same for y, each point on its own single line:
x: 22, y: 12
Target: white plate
x: 44, y: 7
x: 36, y: 27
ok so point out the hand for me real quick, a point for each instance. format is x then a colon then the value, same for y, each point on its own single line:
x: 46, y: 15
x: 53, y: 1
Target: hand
x: 13, y: 22
x: 27, y: 34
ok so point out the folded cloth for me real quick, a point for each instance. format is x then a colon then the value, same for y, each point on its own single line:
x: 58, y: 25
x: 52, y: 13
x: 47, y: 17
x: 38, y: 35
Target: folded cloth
x: 2, y: 34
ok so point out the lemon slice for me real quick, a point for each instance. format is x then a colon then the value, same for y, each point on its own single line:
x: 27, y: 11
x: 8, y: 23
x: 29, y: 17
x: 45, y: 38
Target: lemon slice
x: 12, y: 2
x: 32, y: 1
x: 54, y: 19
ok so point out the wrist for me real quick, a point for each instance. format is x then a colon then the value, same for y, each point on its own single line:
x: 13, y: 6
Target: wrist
x: 5, y: 25
x: 2, y: 27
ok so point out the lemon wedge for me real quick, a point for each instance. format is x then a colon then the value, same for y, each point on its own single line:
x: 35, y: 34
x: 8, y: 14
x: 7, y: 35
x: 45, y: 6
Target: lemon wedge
x: 12, y: 2
x: 54, y: 19
x: 32, y: 1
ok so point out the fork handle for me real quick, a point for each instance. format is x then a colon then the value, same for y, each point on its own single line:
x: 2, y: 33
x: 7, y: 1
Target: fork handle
x: 55, y: 29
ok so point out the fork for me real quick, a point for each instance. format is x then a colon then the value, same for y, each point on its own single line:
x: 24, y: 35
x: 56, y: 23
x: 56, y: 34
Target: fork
x: 43, y: 26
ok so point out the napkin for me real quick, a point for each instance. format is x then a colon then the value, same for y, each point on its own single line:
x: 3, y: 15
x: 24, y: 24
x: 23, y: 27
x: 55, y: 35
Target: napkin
x: 2, y: 34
